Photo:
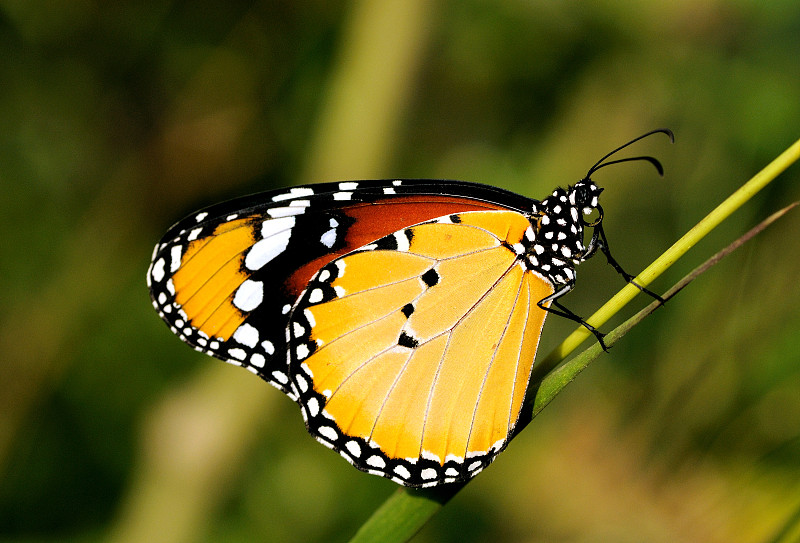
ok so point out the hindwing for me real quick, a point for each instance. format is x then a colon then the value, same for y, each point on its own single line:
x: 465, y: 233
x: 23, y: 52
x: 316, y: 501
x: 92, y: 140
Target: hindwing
x: 411, y: 356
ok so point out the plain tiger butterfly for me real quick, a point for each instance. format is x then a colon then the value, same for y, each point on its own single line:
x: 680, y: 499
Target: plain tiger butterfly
x: 403, y: 316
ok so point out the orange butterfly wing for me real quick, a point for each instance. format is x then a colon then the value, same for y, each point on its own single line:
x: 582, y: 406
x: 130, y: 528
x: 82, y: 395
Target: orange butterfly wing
x: 411, y: 356
x: 225, y: 278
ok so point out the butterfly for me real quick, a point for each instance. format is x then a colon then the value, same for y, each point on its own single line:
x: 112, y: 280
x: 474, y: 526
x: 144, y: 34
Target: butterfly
x: 403, y: 316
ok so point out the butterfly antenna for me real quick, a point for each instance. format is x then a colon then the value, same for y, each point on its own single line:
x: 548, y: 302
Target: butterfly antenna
x: 602, y: 162
x: 656, y: 164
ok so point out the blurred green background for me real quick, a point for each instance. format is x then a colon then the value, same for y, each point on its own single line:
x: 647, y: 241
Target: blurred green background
x: 117, y: 120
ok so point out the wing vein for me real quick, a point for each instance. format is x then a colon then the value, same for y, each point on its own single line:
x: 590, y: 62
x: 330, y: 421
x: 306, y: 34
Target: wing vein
x: 447, y: 346
x: 511, y: 420
x: 491, y: 363
x: 367, y: 361
x: 391, y: 389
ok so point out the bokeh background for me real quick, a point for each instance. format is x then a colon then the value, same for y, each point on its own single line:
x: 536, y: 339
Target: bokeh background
x: 117, y: 120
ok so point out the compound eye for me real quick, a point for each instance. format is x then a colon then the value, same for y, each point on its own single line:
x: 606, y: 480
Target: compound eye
x: 580, y: 195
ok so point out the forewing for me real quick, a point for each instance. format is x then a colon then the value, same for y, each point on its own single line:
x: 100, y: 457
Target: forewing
x: 225, y: 279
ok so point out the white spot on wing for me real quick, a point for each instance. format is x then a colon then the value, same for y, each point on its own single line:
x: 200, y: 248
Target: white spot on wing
x: 402, y: 241
x: 313, y: 407
x: 246, y: 335
x: 315, y: 296
x: 454, y: 458
x: 328, y: 238
x: 175, y: 256
x: 353, y: 448
x: 302, y: 352
x: 267, y: 249
x: 258, y: 360
x: 376, y: 462
x: 275, y: 226
x: 285, y: 211
x: 193, y: 234
x: 238, y: 354
x: 328, y: 433
x: 428, y: 473
x: 249, y: 295
x: 402, y: 471
x: 158, y: 270
x: 428, y: 455
x: 295, y: 192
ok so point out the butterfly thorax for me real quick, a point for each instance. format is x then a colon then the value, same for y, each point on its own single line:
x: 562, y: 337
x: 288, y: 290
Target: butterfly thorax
x: 558, y: 224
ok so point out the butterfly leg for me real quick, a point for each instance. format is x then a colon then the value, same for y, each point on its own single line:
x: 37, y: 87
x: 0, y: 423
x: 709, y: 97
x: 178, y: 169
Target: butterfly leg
x: 557, y: 309
x: 602, y: 243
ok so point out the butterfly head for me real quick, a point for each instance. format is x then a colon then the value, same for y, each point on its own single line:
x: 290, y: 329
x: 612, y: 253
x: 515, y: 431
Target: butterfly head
x: 585, y: 197
x: 558, y: 221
